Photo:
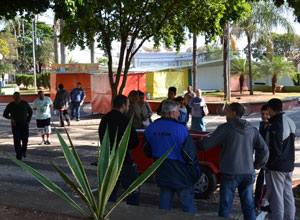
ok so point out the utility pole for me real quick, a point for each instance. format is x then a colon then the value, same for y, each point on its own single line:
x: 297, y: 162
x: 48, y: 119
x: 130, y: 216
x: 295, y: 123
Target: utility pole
x: 228, y: 57
x: 33, y: 51
x: 194, y: 61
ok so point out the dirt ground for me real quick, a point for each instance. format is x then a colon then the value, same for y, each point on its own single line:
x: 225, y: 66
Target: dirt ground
x: 245, y: 97
x: 15, y: 213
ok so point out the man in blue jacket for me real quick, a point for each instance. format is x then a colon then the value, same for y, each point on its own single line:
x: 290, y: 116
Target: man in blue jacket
x: 238, y: 139
x: 77, y: 98
x: 180, y: 171
x: 280, y: 165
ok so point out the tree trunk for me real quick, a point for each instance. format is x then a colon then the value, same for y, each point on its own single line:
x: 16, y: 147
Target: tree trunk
x: 225, y: 69
x: 274, y: 83
x: 250, y: 65
x: 55, y: 41
x: 62, y: 45
x: 194, y: 61
x: 93, y: 52
x: 241, y: 79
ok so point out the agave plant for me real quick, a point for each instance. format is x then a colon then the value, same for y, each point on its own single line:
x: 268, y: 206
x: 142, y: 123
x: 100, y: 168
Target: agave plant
x: 110, y: 162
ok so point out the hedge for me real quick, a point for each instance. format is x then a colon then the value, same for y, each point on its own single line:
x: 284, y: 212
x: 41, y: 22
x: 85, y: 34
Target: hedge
x: 42, y: 80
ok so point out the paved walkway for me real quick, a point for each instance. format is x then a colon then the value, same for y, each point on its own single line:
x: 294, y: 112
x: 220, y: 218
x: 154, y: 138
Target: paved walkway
x: 14, y: 179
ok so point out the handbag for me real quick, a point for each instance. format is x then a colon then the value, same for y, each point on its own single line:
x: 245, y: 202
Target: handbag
x: 205, y: 110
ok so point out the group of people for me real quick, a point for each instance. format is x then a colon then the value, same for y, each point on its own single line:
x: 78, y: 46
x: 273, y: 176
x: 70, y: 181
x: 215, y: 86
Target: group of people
x: 243, y: 148
x: 181, y: 169
x: 19, y: 113
x: 191, y: 104
x: 140, y: 109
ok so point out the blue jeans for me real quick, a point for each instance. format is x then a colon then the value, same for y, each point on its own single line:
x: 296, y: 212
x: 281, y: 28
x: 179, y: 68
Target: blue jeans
x: 75, y: 106
x: 186, y: 198
x: 127, y: 176
x: 244, y: 183
x: 198, y: 124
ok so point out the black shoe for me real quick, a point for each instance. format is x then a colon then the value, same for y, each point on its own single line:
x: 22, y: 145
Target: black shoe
x: 94, y: 163
x: 19, y: 157
x: 24, y: 154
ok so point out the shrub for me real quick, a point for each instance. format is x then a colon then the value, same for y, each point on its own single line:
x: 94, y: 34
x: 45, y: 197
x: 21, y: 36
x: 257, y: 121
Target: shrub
x: 39, y: 80
x: 46, y: 80
x: 18, y: 79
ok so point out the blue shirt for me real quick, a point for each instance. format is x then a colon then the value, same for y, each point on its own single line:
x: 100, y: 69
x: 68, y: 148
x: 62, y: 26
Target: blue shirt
x: 77, y: 95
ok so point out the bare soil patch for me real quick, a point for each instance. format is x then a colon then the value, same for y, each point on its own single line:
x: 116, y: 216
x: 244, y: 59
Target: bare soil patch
x: 13, y: 213
x: 246, y: 97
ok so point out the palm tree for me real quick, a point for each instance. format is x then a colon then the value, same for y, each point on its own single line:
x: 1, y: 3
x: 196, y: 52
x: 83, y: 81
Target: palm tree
x: 277, y: 67
x: 239, y: 67
x: 264, y: 17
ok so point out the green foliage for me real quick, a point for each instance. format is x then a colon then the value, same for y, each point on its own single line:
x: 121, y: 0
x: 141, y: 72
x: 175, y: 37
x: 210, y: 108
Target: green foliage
x: 103, y: 61
x: 264, y: 17
x: 4, y: 67
x: 25, y: 8
x: 109, y: 167
x: 213, y: 52
x: 19, y: 79
x: 277, y: 67
x: 239, y: 67
x: 39, y: 81
x: 12, y: 44
x: 27, y: 80
x: 4, y: 50
x: 291, y: 3
x: 134, y: 22
x: 46, y: 80
x: 296, y: 79
x: 45, y: 53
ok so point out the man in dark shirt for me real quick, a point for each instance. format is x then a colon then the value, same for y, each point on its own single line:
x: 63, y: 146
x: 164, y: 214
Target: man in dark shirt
x: 19, y: 113
x: 116, y: 120
x: 171, y: 96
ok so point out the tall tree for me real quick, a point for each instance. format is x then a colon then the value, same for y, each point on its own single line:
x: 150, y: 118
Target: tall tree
x: 131, y: 22
x: 265, y: 16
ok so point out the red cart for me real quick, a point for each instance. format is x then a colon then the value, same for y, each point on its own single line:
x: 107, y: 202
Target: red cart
x: 209, y: 165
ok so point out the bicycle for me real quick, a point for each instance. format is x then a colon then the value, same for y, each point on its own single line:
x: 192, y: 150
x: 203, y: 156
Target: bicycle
x: 221, y: 109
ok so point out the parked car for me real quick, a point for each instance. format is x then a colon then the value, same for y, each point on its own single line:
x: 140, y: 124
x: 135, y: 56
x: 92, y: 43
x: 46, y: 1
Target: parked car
x: 208, y: 160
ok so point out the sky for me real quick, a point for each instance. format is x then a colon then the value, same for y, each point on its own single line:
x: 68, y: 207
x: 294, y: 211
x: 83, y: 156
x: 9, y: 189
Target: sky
x: 83, y: 56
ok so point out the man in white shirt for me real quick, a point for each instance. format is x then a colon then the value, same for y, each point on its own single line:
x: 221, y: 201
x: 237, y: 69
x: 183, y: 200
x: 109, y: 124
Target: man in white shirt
x: 42, y: 106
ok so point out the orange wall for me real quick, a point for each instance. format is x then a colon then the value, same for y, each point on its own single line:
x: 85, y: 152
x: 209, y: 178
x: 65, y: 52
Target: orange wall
x: 69, y: 80
x: 101, y: 91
